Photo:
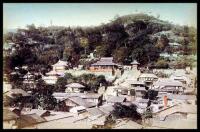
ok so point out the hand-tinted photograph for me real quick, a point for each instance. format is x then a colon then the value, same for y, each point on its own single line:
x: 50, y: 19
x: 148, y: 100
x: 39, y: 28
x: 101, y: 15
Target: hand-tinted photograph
x: 99, y: 65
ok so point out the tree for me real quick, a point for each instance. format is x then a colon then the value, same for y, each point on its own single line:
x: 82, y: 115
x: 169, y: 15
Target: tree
x: 101, y: 50
x: 152, y: 94
x: 162, y: 64
x: 123, y: 111
x: 186, y: 49
x: 67, y: 54
x: 120, y: 55
x: 60, y: 84
x: 101, y: 79
x: 84, y: 43
x: 42, y: 96
x: 162, y: 42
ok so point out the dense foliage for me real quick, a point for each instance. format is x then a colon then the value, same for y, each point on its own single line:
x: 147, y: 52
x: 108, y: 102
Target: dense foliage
x: 90, y: 81
x: 125, y: 38
x: 123, y: 111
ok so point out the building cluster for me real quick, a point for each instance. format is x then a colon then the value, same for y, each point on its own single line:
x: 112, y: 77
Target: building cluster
x: 175, y: 97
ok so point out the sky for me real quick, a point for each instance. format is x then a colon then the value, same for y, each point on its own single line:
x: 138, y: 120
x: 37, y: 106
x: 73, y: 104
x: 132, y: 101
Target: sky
x: 18, y: 15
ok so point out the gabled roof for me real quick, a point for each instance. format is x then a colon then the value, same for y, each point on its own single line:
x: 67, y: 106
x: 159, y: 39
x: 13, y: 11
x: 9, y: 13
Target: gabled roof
x: 135, y: 63
x: 75, y: 85
x: 183, y: 108
x: 78, y: 108
x: 143, y: 101
x: 179, y: 97
x: 107, y: 108
x: 167, y: 82
x: 82, y: 102
x: 99, y: 63
x: 90, y: 96
x: 105, y: 61
x: 59, y: 94
x: 30, y: 119
x: 37, y: 111
x: 95, y: 111
x: 121, y: 87
x: 137, y: 82
x: 115, y: 99
x: 9, y: 115
x: 61, y: 63
x: 180, y: 77
x: 52, y: 73
x: 140, y: 88
x: 17, y: 91
x: 150, y: 75
x: 49, y: 78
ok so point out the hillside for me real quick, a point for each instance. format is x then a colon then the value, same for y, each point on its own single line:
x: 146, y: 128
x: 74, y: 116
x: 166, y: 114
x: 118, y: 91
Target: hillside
x: 135, y: 36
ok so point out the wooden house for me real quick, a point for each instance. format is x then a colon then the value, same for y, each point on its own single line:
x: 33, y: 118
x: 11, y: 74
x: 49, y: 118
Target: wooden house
x: 148, y: 78
x: 169, y: 86
x: 74, y: 88
x: 105, y: 64
x: 60, y: 66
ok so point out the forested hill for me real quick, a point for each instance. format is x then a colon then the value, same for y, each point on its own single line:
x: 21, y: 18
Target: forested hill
x: 136, y: 36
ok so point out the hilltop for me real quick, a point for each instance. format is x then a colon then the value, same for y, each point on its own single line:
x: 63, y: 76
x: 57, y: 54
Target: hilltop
x: 135, y: 36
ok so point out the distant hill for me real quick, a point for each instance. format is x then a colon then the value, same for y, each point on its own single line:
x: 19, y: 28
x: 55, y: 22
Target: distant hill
x: 125, y: 38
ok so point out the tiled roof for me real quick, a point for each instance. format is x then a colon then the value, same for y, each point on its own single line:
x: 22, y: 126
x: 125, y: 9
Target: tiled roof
x: 143, y: 100
x: 105, y: 61
x: 52, y: 73
x: 90, y: 95
x: 61, y: 63
x: 135, y: 62
x: 75, y: 85
x: 137, y: 82
x: 36, y: 111
x: 95, y: 111
x: 140, y: 88
x: 107, y: 108
x: 28, y: 120
x: 114, y: 99
x: 9, y: 115
x: 17, y: 91
x: 151, y: 75
x: 82, y: 102
x: 167, y: 82
x: 179, y: 97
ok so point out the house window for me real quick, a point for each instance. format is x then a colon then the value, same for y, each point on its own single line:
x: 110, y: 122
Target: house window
x: 124, y: 92
x: 132, y: 92
x: 104, y: 67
